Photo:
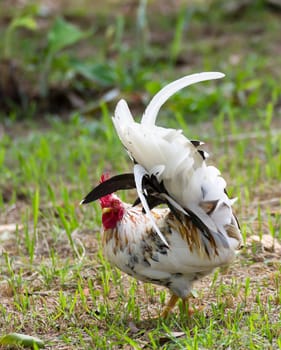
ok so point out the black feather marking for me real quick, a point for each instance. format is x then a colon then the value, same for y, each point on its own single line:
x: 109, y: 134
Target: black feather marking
x: 115, y: 183
x: 152, y: 191
x: 136, y: 202
x: 202, y: 154
x: 237, y: 221
x: 152, y: 202
x: 158, y: 186
x: 196, y: 143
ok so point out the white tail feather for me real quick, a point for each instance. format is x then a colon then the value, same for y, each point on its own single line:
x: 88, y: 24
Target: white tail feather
x: 151, y: 112
x: 186, y: 177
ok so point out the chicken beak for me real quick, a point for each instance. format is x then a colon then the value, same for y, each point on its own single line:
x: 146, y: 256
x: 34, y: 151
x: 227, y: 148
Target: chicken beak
x: 106, y: 210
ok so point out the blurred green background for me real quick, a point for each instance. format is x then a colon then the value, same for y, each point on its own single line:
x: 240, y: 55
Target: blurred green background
x: 58, y: 57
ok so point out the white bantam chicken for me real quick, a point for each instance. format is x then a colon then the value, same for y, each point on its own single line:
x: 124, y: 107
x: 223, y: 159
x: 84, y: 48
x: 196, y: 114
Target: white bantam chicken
x: 196, y: 231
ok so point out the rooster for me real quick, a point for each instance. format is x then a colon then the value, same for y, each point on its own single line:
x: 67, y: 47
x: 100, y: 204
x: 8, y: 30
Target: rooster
x: 196, y: 230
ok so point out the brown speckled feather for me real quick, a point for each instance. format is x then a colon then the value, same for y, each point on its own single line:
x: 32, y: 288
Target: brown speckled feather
x: 135, y: 248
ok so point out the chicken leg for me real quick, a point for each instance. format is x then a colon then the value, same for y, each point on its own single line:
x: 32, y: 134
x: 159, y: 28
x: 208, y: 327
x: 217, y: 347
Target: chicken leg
x: 169, y: 307
x: 191, y: 310
x: 172, y: 302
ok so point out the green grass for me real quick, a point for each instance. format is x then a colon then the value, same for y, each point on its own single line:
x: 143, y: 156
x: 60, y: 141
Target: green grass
x: 55, y: 283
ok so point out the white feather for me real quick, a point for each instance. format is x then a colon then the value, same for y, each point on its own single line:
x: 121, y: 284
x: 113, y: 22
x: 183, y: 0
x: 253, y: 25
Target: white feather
x: 186, y: 177
x: 157, y: 171
x: 163, y: 95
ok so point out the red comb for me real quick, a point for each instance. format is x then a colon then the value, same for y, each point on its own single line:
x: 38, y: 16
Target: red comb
x: 104, y: 177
